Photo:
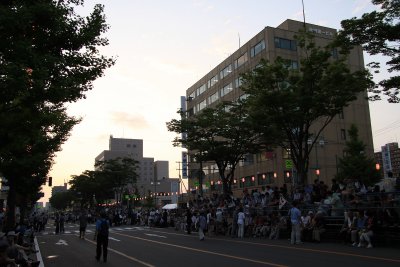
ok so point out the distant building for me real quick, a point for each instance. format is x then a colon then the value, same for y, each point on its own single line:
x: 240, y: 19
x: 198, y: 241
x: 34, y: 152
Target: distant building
x: 152, y: 175
x: 389, y: 160
x: 161, y: 169
x: 59, y: 189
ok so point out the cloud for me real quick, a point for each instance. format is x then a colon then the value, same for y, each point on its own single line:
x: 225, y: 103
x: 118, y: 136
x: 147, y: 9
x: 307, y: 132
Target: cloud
x: 222, y: 45
x: 167, y: 66
x: 135, y: 122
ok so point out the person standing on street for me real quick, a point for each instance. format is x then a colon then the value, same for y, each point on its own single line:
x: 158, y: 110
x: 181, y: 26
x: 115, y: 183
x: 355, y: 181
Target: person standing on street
x: 83, y: 220
x: 295, y: 219
x: 62, y: 222
x: 189, y: 221
x: 240, y: 222
x: 57, y: 222
x: 102, y: 227
x: 202, y: 225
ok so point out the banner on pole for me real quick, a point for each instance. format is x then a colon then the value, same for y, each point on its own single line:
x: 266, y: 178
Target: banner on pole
x: 184, y: 165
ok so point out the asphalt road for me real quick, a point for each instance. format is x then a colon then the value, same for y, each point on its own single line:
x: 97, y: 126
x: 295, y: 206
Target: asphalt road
x: 143, y: 246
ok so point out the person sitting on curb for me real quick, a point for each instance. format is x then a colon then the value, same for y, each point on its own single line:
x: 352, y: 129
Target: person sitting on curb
x: 18, y: 253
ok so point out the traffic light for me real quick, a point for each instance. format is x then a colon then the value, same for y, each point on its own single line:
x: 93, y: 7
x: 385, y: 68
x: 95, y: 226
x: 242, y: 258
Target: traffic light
x: 50, y: 181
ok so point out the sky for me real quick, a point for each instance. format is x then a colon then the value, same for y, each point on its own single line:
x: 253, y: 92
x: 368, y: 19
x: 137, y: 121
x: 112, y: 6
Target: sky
x: 162, y: 47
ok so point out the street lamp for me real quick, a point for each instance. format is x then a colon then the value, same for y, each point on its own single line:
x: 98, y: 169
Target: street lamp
x: 321, y: 143
x: 155, y: 183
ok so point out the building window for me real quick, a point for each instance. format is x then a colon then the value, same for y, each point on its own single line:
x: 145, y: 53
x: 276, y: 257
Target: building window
x: 334, y: 53
x: 226, y: 90
x: 265, y: 178
x: 257, y: 48
x: 238, y: 82
x: 192, y: 95
x: 213, y: 81
x: 285, y: 44
x: 128, y: 145
x: 343, y: 134
x: 202, y: 105
x: 213, y: 98
x: 247, y: 181
x: 341, y: 115
x: 292, y: 65
x: 243, y: 97
x: 225, y: 72
x: 201, y: 90
x: 241, y: 60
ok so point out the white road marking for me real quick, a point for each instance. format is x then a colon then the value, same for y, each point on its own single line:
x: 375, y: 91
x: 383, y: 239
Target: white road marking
x: 62, y: 242
x: 156, y: 235
x: 112, y: 238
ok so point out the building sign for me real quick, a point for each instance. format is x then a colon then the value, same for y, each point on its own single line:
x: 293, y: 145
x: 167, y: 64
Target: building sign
x: 184, y: 165
x: 288, y: 164
x: 319, y: 31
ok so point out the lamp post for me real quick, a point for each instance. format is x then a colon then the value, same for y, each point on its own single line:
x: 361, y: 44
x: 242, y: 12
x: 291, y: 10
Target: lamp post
x: 321, y: 142
x: 155, y: 183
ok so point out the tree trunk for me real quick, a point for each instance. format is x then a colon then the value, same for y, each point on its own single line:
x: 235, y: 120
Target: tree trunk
x: 201, y: 179
x: 22, y: 211
x: 11, y: 204
x: 302, y: 172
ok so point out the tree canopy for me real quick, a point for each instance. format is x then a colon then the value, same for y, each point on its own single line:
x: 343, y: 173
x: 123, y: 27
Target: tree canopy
x: 379, y: 33
x: 48, y: 57
x: 222, y: 134
x: 299, y: 103
x: 355, y: 165
x: 118, y: 173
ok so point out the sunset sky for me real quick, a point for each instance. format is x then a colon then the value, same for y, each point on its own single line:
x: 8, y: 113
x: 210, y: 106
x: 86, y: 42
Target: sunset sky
x: 162, y: 48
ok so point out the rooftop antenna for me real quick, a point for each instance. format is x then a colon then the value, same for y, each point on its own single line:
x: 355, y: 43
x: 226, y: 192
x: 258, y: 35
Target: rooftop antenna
x: 239, y: 39
x: 304, y: 15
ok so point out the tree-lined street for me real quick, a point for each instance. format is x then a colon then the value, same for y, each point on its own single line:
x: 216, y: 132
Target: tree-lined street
x: 143, y: 246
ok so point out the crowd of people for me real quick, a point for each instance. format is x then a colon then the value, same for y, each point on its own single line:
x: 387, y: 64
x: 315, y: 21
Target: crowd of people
x: 265, y: 213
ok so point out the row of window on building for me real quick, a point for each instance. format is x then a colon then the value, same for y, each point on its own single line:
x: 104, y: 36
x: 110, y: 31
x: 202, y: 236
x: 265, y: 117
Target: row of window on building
x: 227, y: 88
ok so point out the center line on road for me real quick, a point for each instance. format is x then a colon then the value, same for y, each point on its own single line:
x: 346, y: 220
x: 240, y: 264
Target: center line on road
x: 124, y: 255
x: 204, y: 251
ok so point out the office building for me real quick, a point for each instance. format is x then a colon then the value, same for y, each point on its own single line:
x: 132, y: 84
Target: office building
x: 222, y: 84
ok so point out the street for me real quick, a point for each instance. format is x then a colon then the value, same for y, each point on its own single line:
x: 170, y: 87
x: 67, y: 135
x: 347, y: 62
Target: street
x: 143, y: 246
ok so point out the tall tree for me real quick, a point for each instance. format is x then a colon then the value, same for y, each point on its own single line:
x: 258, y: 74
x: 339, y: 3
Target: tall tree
x: 379, y: 33
x: 48, y: 57
x: 222, y: 134
x: 355, y: 165
x: 119, y: 172
x: 30, y: 149
x: 62, y: 200
x: 299, y: 104
x: 85, y: 186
